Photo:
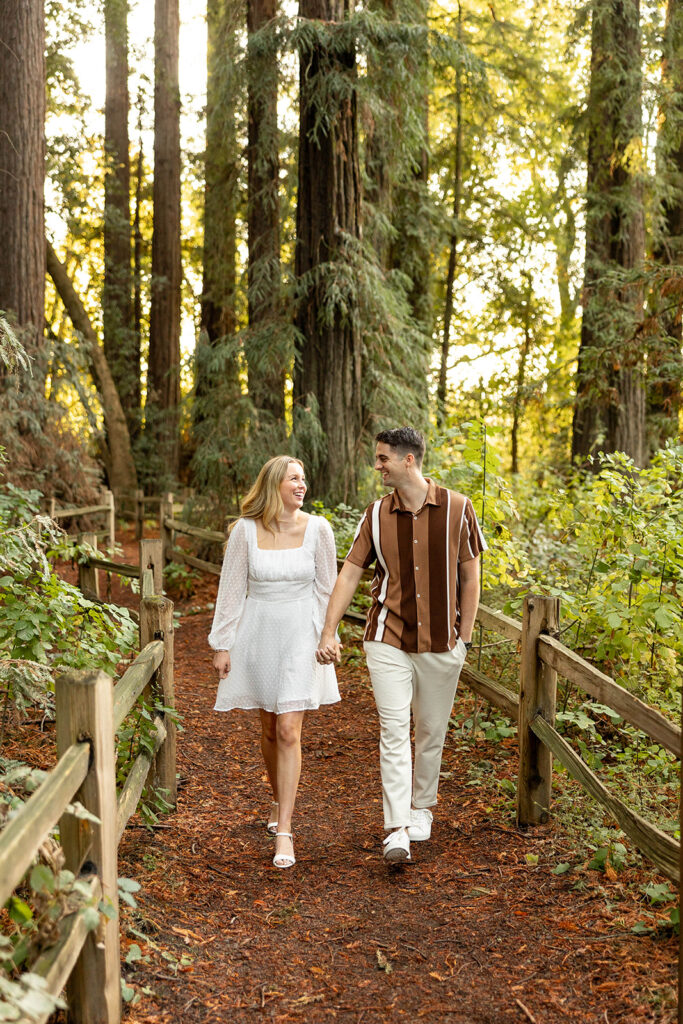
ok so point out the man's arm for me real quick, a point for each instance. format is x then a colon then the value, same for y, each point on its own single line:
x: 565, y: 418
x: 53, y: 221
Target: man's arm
x: 469, y: 596
x: 347, y: 582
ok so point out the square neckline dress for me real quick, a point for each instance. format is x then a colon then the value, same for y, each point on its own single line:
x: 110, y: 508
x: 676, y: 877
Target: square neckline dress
x: 269, y: 614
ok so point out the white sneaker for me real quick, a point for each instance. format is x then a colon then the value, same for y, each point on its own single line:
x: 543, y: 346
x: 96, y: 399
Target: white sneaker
x: 397, y: 847
x: 420, y: 828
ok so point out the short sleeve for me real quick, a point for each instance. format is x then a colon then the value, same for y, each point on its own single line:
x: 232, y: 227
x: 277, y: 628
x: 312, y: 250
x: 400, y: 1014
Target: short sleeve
x: 232, y: 589
x: 472, y: 541
x: 362, y: 551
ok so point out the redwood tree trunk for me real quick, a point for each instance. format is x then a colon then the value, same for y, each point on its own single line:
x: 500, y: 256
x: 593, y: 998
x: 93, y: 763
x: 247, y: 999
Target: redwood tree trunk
x: 22, y: 162
x: 609, y: 413
x: 118, y: 453
x: 665, y: 360
x: 328, y: 218
x: 266, y: 369
x: 117, y: 314
x: 163, y: 381
x: 221, y: 203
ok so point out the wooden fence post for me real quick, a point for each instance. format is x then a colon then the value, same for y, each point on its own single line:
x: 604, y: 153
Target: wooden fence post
x: 166, y: 534
x: 151, y: 557
x: 139, y: 513
x: 537, y: 695
x: 88, y: 577
x: 156, y: 623
x: 53, y: 507
x: 84, y: 710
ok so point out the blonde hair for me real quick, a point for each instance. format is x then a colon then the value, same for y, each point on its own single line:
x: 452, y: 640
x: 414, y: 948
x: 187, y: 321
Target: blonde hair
x: 263, y: 500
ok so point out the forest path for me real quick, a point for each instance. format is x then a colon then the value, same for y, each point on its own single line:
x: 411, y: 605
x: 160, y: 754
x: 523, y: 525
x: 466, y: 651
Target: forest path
x: 472, y: 931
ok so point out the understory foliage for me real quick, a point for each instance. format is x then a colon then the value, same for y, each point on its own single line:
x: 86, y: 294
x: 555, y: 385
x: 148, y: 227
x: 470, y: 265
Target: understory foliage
x: 46, y: 624
x: 610, y: 545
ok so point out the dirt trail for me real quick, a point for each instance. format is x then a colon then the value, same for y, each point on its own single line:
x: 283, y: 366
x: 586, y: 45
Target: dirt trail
x: 474, y: 931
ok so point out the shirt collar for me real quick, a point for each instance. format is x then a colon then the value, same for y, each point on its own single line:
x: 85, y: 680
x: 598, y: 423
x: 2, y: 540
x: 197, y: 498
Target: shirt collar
x: 433, y: 498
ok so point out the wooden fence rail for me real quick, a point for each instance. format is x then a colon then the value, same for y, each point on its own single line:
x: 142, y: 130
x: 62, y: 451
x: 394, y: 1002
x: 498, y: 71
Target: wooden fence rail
x: 89, y: 712
x: 535, y: 717
x: 108, y: 507
x: 132, y: 505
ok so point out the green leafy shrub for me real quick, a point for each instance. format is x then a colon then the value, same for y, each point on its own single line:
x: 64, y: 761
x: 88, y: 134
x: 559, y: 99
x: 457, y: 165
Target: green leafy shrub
x: 46, y: 624
x: 611, y: 546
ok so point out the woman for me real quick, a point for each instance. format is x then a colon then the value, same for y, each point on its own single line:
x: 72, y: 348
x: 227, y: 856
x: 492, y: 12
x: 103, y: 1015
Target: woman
x: 278, y: 573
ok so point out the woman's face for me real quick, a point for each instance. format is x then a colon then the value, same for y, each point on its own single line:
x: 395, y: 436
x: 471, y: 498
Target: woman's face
x: 293, y: 487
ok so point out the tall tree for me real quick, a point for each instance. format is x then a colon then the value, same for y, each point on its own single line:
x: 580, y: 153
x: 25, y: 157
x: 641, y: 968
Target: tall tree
x: 121, y: 350
x: 328, y: 227
x: 265, y: 362
x: 455, y: 237
x: 413, y: 236
x: 22, y: 162
x: 118, y: 455
x: 221, y: 191
x: 219, y: 416
x: 610, y: 396
x: 665, y: 360
x: 163, y: 381
x: 221, y: 206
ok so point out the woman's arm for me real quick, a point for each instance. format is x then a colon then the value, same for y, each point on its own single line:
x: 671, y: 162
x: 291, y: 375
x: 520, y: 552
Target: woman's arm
x: 325, y: 573
x: 329, y: 648
x: 232, y: 592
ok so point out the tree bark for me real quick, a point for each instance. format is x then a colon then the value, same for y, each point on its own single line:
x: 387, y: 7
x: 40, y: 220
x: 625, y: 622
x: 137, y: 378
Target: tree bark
x: 665, y: 359
x: 221, y: 200
x: 266, y: 369
x: 137, y: 261
x: 381, y: 142
x: 328, y: 219
x: 610, y: 398
x: 22, y: 164
x: 455, y: 236
x: 413, y: 222
x: 118, y: 453
x: 163, y: 381
x: 117, y: 313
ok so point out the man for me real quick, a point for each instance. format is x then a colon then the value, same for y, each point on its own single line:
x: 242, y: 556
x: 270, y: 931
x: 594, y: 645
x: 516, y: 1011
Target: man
x: 426, y: 542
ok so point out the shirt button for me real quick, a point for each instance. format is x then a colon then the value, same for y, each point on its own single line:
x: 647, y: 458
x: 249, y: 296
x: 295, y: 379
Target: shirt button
x: 415, y: 541
x: 419, y: 623
x: 418, y: 595
x: 417, y: 567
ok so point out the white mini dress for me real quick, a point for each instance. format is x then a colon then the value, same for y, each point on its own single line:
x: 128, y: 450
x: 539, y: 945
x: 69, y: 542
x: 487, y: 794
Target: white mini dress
x: 269, y: 614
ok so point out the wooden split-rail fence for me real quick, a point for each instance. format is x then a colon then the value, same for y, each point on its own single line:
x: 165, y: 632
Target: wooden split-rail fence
x: 543, y: 657
x: 107, y: 508
x: 89, y: 713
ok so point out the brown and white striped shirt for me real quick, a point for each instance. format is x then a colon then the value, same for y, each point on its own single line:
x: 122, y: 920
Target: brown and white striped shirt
x: 415, y: 589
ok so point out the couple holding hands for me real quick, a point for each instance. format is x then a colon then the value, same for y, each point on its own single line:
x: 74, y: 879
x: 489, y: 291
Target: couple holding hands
x: 280, y: 601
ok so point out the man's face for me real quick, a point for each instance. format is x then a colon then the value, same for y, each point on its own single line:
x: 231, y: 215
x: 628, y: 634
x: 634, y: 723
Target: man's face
x: 392, y: 466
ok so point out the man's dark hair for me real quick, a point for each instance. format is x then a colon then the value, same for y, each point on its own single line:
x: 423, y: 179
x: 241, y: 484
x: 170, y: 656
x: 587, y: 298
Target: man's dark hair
x: 404, y: 439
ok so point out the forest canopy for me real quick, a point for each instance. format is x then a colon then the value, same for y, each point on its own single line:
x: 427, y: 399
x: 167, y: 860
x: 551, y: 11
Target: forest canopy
x: 235, y: 232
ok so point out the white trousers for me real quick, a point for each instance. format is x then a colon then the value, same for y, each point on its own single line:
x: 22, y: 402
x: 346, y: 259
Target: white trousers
x: 427, y: 683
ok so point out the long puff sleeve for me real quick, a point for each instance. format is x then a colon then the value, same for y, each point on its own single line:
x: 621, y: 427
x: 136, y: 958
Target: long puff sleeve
x: 325, y: 573
x: 232, y: 589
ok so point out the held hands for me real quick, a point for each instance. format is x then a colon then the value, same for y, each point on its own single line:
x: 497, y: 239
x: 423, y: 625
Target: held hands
x: 221, y: 662
x: 329, y: 650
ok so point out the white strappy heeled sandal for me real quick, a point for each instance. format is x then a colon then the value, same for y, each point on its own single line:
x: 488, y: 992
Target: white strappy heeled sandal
x: 284, y: 860
x: 271, y: 826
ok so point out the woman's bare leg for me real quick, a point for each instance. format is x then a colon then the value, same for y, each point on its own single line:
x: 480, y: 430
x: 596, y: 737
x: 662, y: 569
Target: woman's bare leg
x: 288, y: 729
x: 269, y: 748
